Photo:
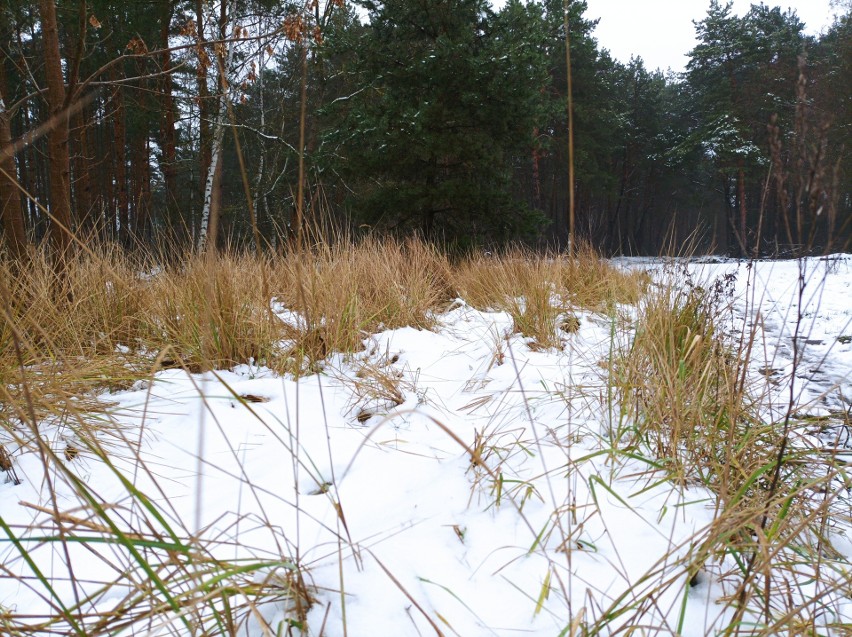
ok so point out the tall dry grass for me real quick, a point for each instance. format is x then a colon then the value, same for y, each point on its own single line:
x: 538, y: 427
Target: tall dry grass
x: 679, y: 393
x: 681, y: 387
x: 345, y: 292
x: 688, y: 404
x: 113, y: 313
x: 540, y: 291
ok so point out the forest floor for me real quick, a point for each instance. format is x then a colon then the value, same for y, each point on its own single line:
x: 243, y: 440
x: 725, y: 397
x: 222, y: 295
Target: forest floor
x: 460, y: 480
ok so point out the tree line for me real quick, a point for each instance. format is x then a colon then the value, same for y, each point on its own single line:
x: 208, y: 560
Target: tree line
x: 200, y: 122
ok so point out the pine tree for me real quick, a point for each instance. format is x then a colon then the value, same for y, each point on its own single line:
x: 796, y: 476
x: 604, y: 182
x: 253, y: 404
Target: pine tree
x: 451, y: 94
x: 60, y: 163
x: 742, y: 72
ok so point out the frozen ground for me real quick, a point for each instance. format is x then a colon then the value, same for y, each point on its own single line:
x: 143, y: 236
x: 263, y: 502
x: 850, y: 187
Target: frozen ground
x: 363, y: 475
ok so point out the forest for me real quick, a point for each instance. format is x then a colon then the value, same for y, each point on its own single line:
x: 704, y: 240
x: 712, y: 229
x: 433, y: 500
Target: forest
x: 190, y: 123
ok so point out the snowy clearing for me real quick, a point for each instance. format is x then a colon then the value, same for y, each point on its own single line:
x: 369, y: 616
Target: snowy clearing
x: 454, y: 481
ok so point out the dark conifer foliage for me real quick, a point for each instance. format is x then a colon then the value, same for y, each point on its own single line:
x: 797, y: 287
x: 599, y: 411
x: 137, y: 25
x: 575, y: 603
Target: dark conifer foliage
x: 450, y: 96
x: 443, y: 117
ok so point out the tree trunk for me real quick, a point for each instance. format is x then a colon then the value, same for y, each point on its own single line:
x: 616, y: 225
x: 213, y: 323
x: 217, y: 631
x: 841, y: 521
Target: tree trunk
x: 741, y: 195
x: 205, y: 141
x: 28, y: 170
x: 57, y: 138
x: 10, y: 197
x: 122, y: 220
x: 428, y: 213
x: 108, y: 217
x: 168, y: 160
x: 211, y: 202
x: 210, y: 211
x: 258, y: 197
x: 140, y: 178
x: 82, y: 189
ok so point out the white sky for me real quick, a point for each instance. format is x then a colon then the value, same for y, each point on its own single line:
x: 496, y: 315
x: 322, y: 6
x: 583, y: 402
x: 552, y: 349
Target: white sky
x: 662, y: 33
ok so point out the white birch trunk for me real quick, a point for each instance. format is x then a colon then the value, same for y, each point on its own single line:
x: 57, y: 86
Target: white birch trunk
x: 216, y: 150
x: 218, y: 135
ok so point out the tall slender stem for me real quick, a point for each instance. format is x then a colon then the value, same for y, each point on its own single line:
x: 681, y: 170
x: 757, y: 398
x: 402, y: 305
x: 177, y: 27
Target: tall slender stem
x: 300, y: 193
x: 571, y: 229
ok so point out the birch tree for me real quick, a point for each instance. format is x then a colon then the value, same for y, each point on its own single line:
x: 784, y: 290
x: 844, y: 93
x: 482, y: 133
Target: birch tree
x: 224, y: 66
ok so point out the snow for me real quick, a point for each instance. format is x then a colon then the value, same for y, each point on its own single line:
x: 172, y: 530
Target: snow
x: 376, y: 495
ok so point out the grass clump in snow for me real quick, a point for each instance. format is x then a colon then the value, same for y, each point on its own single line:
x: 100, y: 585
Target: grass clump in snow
x: 86, y: 312
x: 112, y: 313
x: 60, y: 344
x: 102, y: 324
x: 213, y: 313
x: 681, y: 388
x: 344, y: 292
x: 541, y: 290
x: 688, y: 406
x: 121, y: 545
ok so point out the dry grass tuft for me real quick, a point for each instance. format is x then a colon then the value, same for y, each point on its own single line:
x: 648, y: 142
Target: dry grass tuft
x: 112, y: 314
x: 96, y: 306
x: 537, y: 290
x: 686, y: 403
x: 101, y: 326
x: 345, y: 292
x: 59, y: 346
x: 594, y: 283
x: 213, y: 313
x: 682, y: 389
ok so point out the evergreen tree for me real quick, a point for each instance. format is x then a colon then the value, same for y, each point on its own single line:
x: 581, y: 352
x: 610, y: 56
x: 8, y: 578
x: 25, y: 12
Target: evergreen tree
x: 594, y: 118
x: 452, y: 94
x: 742, y: 72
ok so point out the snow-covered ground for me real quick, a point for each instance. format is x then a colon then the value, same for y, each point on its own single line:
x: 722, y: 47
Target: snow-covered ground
x: 452, y: 481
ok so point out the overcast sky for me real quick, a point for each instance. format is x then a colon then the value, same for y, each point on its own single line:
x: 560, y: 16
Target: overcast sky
x: 662, y: 33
